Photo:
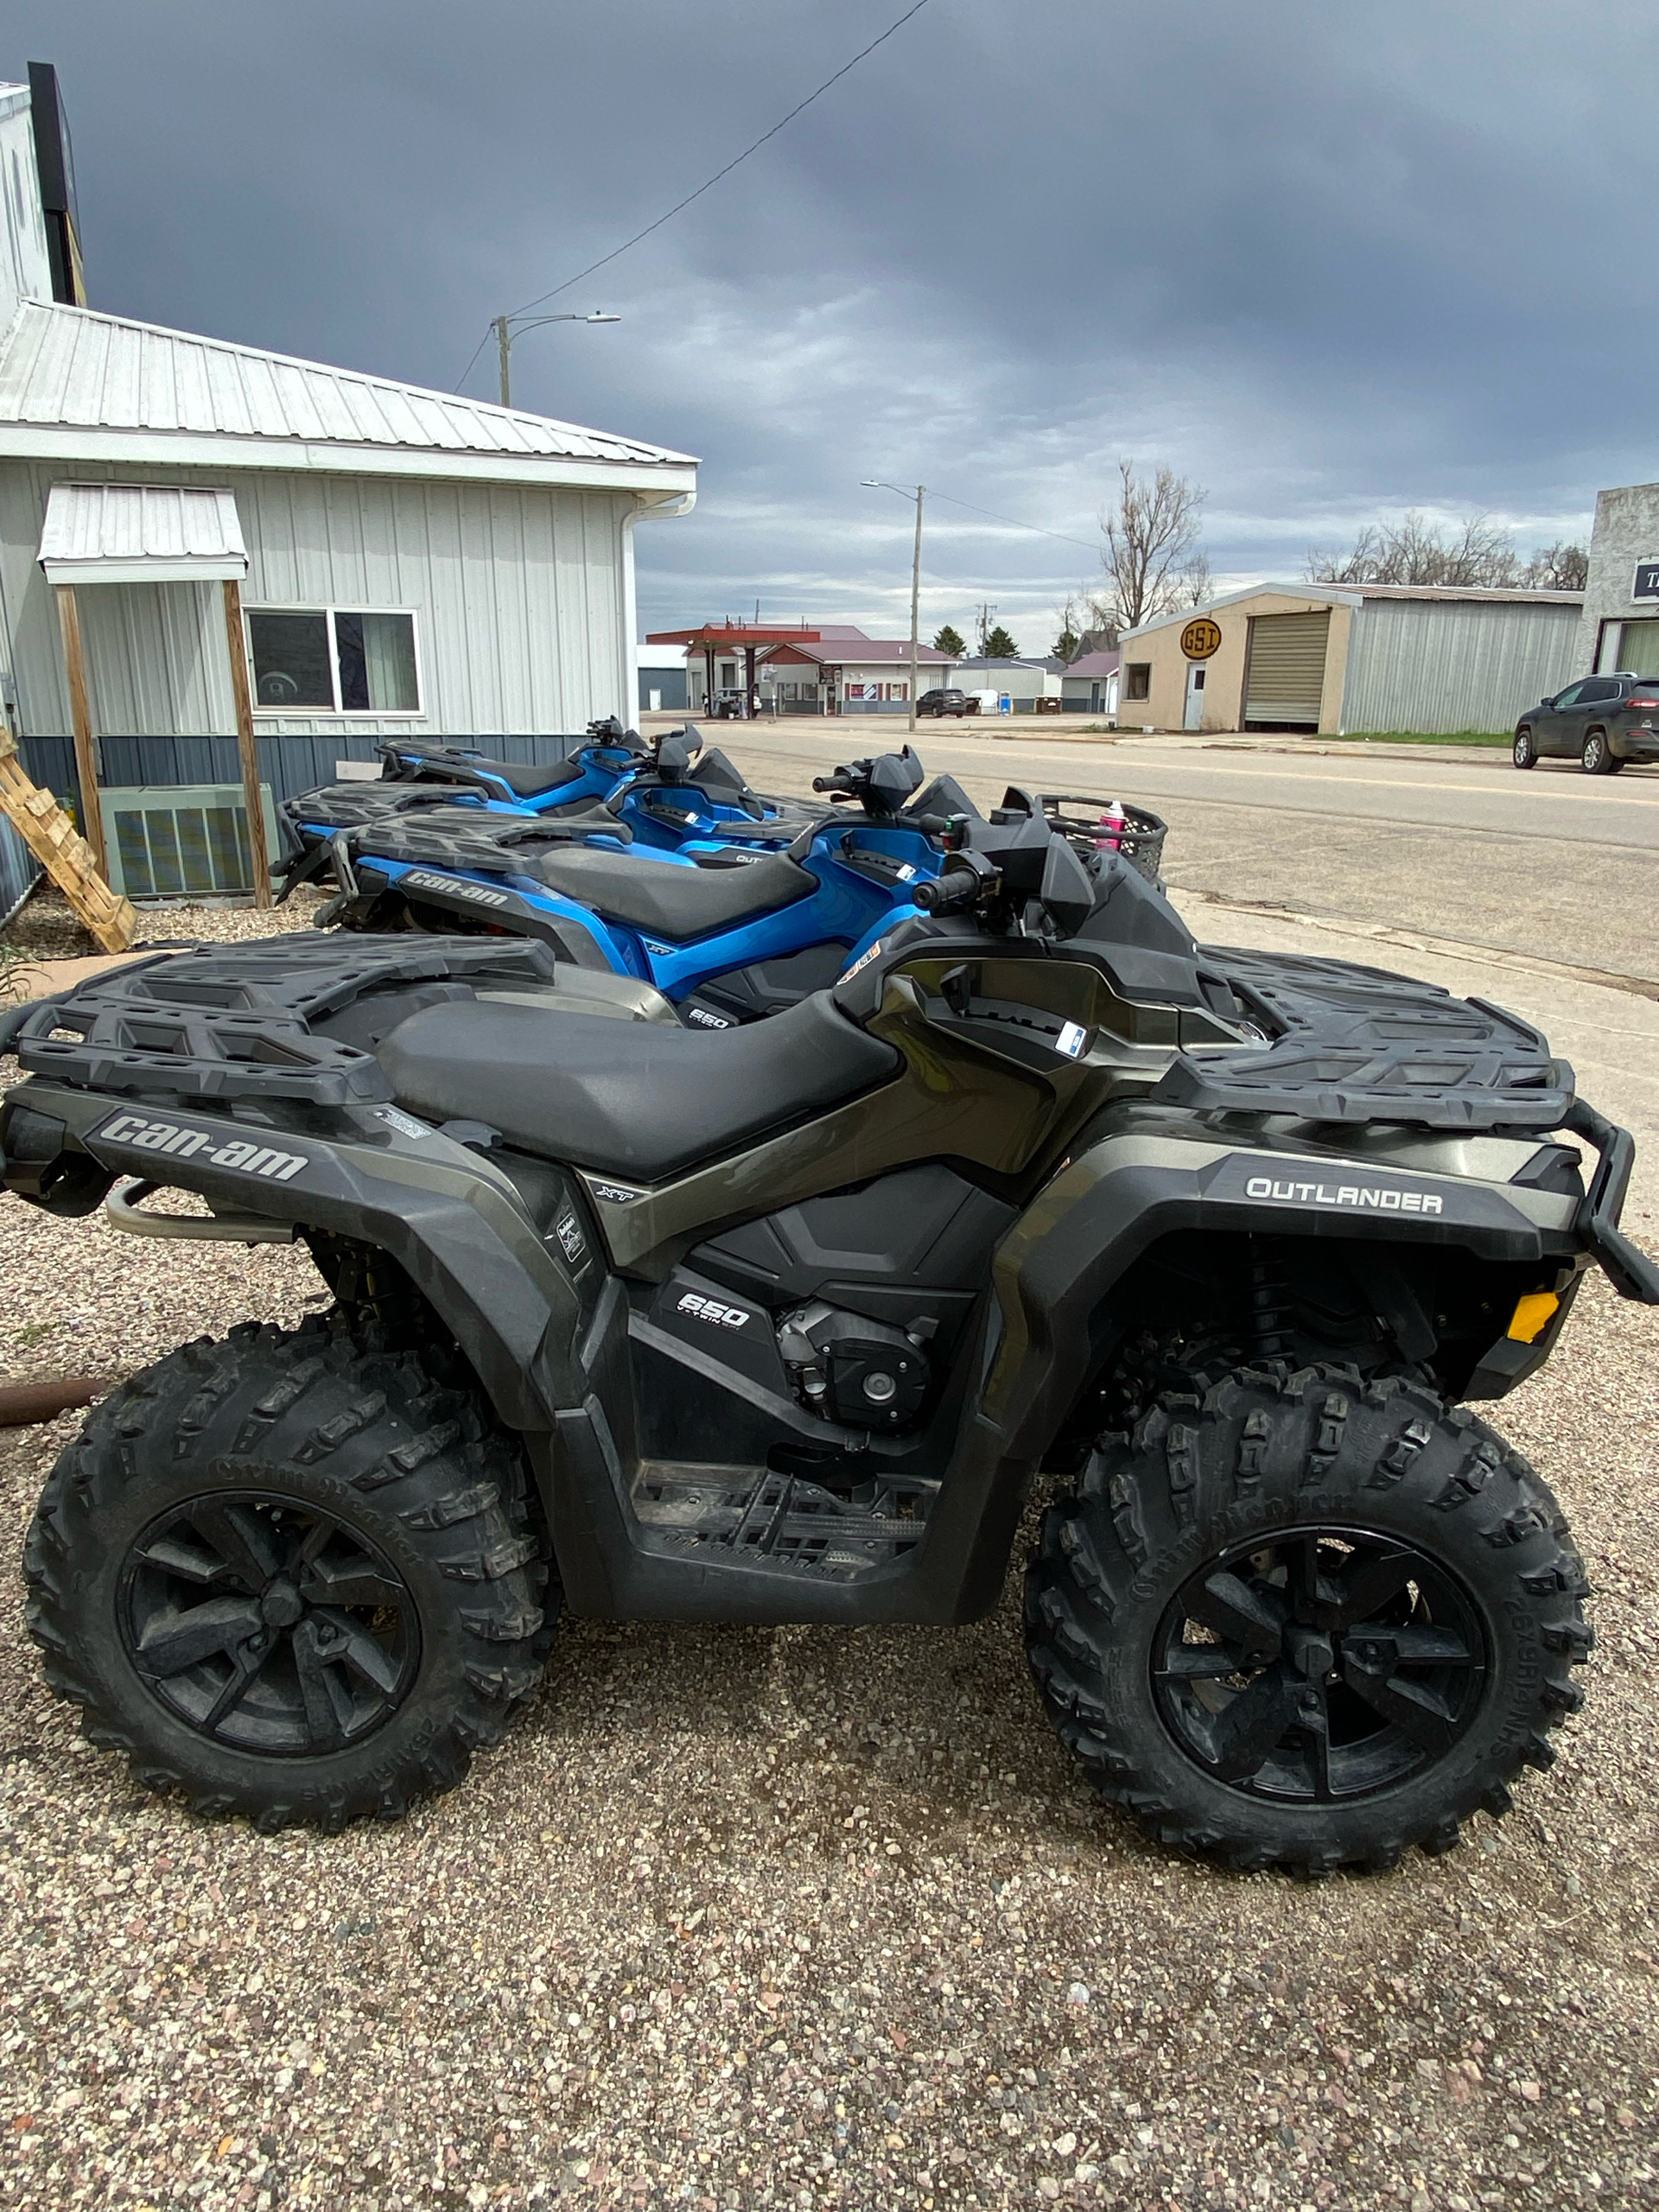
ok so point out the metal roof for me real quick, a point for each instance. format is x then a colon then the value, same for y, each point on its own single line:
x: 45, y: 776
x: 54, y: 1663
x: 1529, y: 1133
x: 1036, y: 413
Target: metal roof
x: 857, y: 652
x: 74, y: 383
x: 1356, y: 594
x: 141, y: 533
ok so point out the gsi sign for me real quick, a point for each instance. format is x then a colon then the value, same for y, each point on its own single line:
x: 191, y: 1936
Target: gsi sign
x: 1646, y: 585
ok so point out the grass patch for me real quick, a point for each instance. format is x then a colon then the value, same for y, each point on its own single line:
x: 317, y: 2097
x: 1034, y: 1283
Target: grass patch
x: 1503, y: 737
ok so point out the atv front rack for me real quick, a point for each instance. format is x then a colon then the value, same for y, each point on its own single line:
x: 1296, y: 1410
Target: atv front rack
x: 1093, y: 824
x: 1358, y: 1044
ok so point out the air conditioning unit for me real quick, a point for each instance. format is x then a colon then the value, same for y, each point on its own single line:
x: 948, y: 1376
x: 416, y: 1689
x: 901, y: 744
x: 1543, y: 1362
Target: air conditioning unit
x: 182, y: 840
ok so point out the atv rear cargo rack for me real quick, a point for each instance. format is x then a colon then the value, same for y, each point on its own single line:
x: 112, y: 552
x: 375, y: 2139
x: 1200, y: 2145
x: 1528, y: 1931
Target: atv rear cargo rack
x: 235, y: 1022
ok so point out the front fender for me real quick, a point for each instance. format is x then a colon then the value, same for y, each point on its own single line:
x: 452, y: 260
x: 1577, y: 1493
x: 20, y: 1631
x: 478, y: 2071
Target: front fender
x: 1123, y: 1194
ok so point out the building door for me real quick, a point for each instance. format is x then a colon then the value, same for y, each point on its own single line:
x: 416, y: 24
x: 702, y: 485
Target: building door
x: 1193, y: 718
x: 1284, y: 679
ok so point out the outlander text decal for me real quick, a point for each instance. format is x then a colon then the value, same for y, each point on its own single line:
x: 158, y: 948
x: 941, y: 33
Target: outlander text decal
x: 1385, y: 1199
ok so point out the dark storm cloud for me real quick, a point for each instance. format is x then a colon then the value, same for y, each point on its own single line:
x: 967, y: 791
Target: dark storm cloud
x: 1327, y: 259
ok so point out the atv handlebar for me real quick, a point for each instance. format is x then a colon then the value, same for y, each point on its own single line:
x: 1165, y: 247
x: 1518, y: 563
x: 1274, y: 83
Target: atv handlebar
x: 958, y: 888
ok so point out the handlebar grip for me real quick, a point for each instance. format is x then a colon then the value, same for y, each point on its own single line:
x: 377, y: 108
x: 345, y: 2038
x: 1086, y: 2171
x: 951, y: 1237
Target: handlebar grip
x: 837, y: 784
x: 944, y: 893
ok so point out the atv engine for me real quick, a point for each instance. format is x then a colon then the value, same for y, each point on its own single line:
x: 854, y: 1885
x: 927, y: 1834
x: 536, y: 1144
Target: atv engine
x: 854, y: 1371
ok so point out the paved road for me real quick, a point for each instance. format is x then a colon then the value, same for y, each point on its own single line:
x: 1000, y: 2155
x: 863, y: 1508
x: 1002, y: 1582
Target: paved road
x: 1555, y: 864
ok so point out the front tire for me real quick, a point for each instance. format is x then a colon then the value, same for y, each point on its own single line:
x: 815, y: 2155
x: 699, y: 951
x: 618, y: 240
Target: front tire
x: 291, y: 1577
x: 1306, y: 1621
x: 1522, y: 752
x: 1597, y: 758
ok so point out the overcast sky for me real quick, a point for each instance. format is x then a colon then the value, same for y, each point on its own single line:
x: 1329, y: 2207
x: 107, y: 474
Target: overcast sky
x: 1330, y: 261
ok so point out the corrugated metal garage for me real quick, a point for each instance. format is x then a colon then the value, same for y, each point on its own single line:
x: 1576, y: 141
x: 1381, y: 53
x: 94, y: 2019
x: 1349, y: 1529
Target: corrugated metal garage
x: 1348, y: 658
x: 1454, y: 663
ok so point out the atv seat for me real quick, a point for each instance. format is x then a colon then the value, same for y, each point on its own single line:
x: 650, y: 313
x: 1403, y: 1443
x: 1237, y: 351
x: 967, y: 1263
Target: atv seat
x: 637, y: 1099
x: 522, y: 780
x: 676, y: 902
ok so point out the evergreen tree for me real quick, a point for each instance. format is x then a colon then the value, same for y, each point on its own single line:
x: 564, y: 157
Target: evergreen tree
x: 950, y: 641
x: 999, y: 645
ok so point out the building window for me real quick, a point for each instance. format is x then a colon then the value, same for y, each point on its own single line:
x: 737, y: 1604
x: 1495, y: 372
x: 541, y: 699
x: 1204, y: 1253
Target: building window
x: 1137, y: 679
x: 332, y: 660
x: 899, y: 691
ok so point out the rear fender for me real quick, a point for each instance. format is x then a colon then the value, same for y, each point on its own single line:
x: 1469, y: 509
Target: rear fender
x: 511, y: 1298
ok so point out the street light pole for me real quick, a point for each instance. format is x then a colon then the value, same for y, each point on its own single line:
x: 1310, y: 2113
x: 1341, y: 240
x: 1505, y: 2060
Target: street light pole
x: 509, y: 326
x: 915, y: 599
x: 877, y: 484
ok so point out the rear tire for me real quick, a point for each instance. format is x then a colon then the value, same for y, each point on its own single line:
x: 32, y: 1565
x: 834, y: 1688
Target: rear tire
x: 1306, y: 1621
x: 291, y: 1577
x: 1522, y: 752
x: 1597, y: 758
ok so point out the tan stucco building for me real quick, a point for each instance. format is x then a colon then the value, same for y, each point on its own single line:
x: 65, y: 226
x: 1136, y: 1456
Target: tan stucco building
x: 1339, y: 659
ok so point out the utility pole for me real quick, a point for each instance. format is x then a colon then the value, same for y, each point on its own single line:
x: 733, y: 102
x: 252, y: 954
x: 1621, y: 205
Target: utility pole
x: 504, y: 340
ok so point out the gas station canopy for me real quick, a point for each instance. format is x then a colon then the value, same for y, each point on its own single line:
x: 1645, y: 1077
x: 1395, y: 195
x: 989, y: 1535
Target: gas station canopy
x: 711, y: 638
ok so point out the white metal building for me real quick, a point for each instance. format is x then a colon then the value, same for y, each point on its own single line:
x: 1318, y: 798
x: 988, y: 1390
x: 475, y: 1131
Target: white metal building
x: 415, y: 562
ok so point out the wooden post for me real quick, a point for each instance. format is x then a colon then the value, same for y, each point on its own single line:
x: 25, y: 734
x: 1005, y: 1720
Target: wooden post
x: 80, y: 717
x: 247, y: 751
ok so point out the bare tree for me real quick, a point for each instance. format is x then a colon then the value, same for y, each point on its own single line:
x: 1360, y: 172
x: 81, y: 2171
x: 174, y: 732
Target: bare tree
x: 1479, y: 555
x: 1196, y: 584
x: 1150, y: 548
x: 1560, y: 567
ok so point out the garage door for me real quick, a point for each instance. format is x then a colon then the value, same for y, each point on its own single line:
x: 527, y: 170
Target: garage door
x: 1286, y: 668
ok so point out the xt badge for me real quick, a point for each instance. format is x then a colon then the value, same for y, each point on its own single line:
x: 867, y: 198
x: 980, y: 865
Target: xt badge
x: 710, y: 1309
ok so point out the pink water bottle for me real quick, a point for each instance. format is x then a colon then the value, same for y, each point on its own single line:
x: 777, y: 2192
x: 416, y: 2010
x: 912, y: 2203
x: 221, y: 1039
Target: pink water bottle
x: 1114, y: 822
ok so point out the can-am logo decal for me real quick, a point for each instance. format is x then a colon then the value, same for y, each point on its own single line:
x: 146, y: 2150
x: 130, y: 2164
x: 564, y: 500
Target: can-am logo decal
x: 1365, y: 1197
x: 423, y: 881
x: 710, y: 1309
x: 179, y: 1143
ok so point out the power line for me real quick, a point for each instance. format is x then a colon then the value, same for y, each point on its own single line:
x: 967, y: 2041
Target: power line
x: 1013, y: 521
x: 680, y: 205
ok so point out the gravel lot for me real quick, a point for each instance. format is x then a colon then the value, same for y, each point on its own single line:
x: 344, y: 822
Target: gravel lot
x: 741, y: 1917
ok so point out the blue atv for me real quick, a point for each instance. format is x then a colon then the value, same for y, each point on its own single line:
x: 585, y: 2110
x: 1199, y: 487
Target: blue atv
x: 658, y: 792
x: 742, y: 935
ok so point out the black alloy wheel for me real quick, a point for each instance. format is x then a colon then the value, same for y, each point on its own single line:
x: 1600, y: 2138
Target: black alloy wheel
x: 1306, y: 1618
x: 293, y: 1576
x: 268, y: 1625
x: 1522, y: 752
x: 1326, y: 1664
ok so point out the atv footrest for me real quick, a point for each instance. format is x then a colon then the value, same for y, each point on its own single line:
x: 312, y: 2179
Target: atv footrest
x: 756, y: 1514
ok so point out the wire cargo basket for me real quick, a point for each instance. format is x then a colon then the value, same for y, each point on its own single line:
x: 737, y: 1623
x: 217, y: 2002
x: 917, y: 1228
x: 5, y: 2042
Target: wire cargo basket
x: 1108, y: 825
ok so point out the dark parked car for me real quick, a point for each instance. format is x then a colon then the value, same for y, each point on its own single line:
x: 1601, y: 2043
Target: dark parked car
x: 940, y: 703
x: 1601, y: 723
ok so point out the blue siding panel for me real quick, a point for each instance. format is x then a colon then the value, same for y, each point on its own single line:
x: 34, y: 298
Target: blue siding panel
x: 290, y: 765
x: 19, y: 871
